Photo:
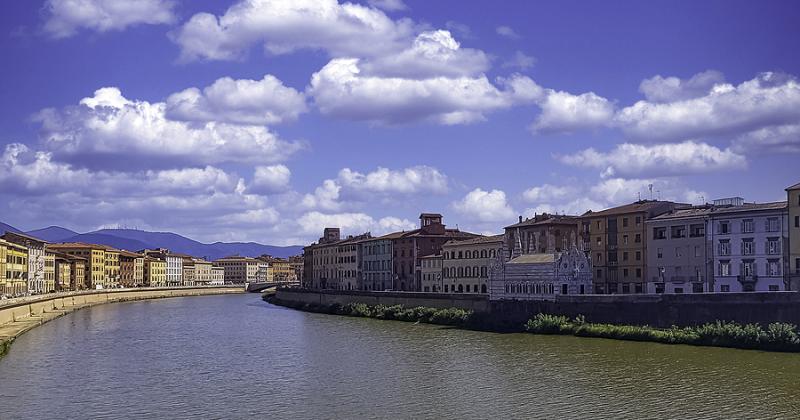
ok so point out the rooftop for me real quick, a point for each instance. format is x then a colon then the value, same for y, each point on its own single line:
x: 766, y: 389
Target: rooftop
x: 478, y: 240
x: 712, y: 210
x: 24, y: 236
x: 794, y: 187
x: 547, y: 220
x: 635, y: 207
x: 77, y: 245
x: 533, y: 259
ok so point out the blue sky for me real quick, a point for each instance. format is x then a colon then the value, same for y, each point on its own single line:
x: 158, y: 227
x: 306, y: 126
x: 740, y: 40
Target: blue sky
x: 268, y: 120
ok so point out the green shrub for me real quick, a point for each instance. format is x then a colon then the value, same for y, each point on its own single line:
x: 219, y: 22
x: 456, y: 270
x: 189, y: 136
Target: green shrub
x: 548, y: 324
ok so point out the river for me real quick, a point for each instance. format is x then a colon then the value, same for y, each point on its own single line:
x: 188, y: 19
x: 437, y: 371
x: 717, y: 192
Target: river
x: 234, y: 356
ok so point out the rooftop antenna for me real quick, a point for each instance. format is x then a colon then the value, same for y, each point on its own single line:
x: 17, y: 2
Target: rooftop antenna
x: 703, y: 199
x: 639, y: 194
x: 658, y: 192
x: 650, y: 187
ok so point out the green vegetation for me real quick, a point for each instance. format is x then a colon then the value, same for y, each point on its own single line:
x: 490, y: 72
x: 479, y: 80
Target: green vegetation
x: 450, y: 316
x: 4, y: 346
x: 776, y: 337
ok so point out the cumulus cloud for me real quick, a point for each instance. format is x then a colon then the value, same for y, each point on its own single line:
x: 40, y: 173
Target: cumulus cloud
x: 520, y: 60
x: 770, y: 99
x: 412, y: 180
x: 432, y: 54
x: 313, y: 223
x: 670, y: 89
x: 270, y: 179
x: 340, y: 90
x: 485, y: 206
x: 565, y: 112
x: 66, y: 17
x: 110, y: 126
x: 388, y: 5
x: 507, y: 32
x: 324, y: 197
x: 630, y: 160
x: 282, y: 26
x: 244, y: 101
x: 547, y: 192
x: 776, y: 139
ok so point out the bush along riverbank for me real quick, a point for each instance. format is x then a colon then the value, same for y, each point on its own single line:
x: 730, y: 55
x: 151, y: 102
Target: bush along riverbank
x: 776, y: 337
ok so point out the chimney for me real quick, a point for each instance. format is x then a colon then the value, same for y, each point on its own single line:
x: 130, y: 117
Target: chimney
x: 520, y: 218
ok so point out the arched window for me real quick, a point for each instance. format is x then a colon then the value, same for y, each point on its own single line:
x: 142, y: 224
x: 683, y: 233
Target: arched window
x: 483, y: 288
x: 491, y: 253
x: 506, y: 289
x: 483, y: 271
x: 483, y: 253
x: 475, y: 271
x: 460, y: 288
x: 460, y: 272
x: 467, y: 272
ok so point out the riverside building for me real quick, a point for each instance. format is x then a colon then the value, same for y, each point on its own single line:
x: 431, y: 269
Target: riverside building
x: 465, y: 263
x: 16, y: 270
x: 543, y: 233
x: 541, y: 276
x: 155, y: 272
x: 240, y: 270
x: 748, y: 242
x: 610, y: 234
x: 793, y: 202
x: 94, y: 255
x: 376, y: 262
x: 131, y: 269
x: 36, y: 260
x: 431, y: 273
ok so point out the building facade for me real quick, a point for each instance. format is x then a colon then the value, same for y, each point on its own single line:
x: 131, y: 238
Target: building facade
x: 36, y: 260
x: 541, y: 276
x: 131, y: 269
x: 16, y: 269
x: 465, y: 264
x: 63, y: 271
x: 749, y: 241
x: 155, y: 272
x: 348, y: 273
x: 217, y: 276
x: 543, y: 233
x: 323, y: 255
x: 202, y: 274
x: 240, y: 270
x: 679, y: 258
x: 610, y: 234
x: 95, y: 264
x: 431, y: 273
x: 49, y: 272
x: 793, y: 202
x: 111, y: 268
x: 376, y: 262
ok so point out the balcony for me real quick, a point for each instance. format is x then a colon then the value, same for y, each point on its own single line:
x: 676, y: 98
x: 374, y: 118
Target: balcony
x: 745, y: 279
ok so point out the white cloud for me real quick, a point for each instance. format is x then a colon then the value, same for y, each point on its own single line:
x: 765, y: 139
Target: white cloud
x: 770, y: 99
x: 244, y: 101
x: 66, y: 17
x: 283, y: 26
x: 574, y: 206
x: 617, y: 191
x: 547, y: 192
x: 485, y: 206
x: 776, y: 139
x: 462, y: 30
x: 629, y: 160
x: 507, y: 32
x: 412, y: 180
x: 109, y: 125
x: 670, y: 89
x: 388, y: 5
x: 313, y: 223
x: 324, y: 197
x: 564, y: 112
x: 433, y: 54
x: 340, y: 90
x: 270, y: 179
x: 520, y: 60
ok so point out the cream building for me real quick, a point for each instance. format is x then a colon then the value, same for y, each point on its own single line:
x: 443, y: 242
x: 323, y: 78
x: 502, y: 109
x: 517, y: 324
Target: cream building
x: 431, y: 273
x: 95, y: 256
x: 155, y: 272
x: 793, y: 271
x: 217, y: 276
x: 49, y: 272
x: 16, y: 271
x: 203, y: 272
x: 111, y: 262
x: 465, y: 264
x: 240, y: 270
x: 3, y: 262
x: 36, y: 260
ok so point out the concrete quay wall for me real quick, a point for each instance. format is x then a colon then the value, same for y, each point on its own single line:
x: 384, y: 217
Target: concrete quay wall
x: 19, y: 317
x: 661, y: 311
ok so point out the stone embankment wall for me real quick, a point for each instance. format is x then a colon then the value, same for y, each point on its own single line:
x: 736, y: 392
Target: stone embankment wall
x: 21, y: 315
x: 654, y: 310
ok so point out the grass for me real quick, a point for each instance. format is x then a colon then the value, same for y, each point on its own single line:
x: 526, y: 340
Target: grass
x: 776, y: 337
x: 4, y: 346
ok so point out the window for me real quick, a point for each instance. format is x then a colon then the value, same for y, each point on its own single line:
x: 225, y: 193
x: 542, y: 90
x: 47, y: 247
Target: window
x: 697, y: 251
x: 774, y: 288
x: 599, y: 224
x: 624, y: 222
x: 625, y: 272
x: 748, y: 268
x: 599, y: 274
x: 678, y: 252
x: 660, y: 233
x: 626, y: 288
x: 660, y: 252
x: 748, y: 246
x: 797, y: 221
x: 724, y: 247
x: 638, y: 238
x: 625, y: 239
x: 599, y: 241
x: 638, y: 220
x: 772, y: 224
x: 724, y: 268
x: 678, y: 231
x: 724, y: 288
x: 724, y: 227
x: 638, y: 255
x: 773, y: 268
x: 624, y: 256
x: 747, y: 226
x: 697, y: 231
x: 599, y: 258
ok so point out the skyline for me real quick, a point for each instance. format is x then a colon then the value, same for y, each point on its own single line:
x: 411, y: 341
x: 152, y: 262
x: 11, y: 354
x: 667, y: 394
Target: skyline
x: 157, y: 117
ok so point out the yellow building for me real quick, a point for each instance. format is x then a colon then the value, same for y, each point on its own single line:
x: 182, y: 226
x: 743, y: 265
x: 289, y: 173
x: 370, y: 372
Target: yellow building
x: 16, y: 272
x: 49, y: 272
x: 111, y: 267
x: 3, y: 257
x: 95, y: 266
x: 63, y: 271
x: 793, y: 197
x: 155, y: 272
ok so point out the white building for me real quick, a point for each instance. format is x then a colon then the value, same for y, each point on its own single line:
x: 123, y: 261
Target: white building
x: 749, y: 243
x: 174, y: 269
x: 540, y: 276
x: 217, y: 276
x: 36, y: 259
x: 431, y: 273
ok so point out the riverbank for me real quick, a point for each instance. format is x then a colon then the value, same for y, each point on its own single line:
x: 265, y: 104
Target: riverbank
x: 19, y: 317
x: 779, y: 337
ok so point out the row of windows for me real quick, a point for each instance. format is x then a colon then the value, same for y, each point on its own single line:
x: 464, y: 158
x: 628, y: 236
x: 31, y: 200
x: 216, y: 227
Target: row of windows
x: 457, y: 272
x: 453, y: 255
x: 612, y: 256
x: 771, y: 224
x: 535, y: 288
x: 749, y: 268
x: 461, y: 288
x: 679, y: 231
x: 637, y: 220
x: 747, y: 246
x: 637, y: 239
x: 612, y: 274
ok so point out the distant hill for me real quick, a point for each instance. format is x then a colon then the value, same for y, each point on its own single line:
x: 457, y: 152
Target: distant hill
x: 52, y: 234
x: 134, y: 240
x: 8, y: 228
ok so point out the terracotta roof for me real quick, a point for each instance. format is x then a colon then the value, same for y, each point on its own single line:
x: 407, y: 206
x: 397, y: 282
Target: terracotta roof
x: 552, y: 220
x: 635, y: 207
x: 533, y: 259
x: 698, y: 211
x: 24, y: 236
x: 76, y: 245
x: 478, y: 240
x: 125, y: 253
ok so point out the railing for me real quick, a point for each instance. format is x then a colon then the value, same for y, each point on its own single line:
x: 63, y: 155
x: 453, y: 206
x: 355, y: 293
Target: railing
x: 747, y: 279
